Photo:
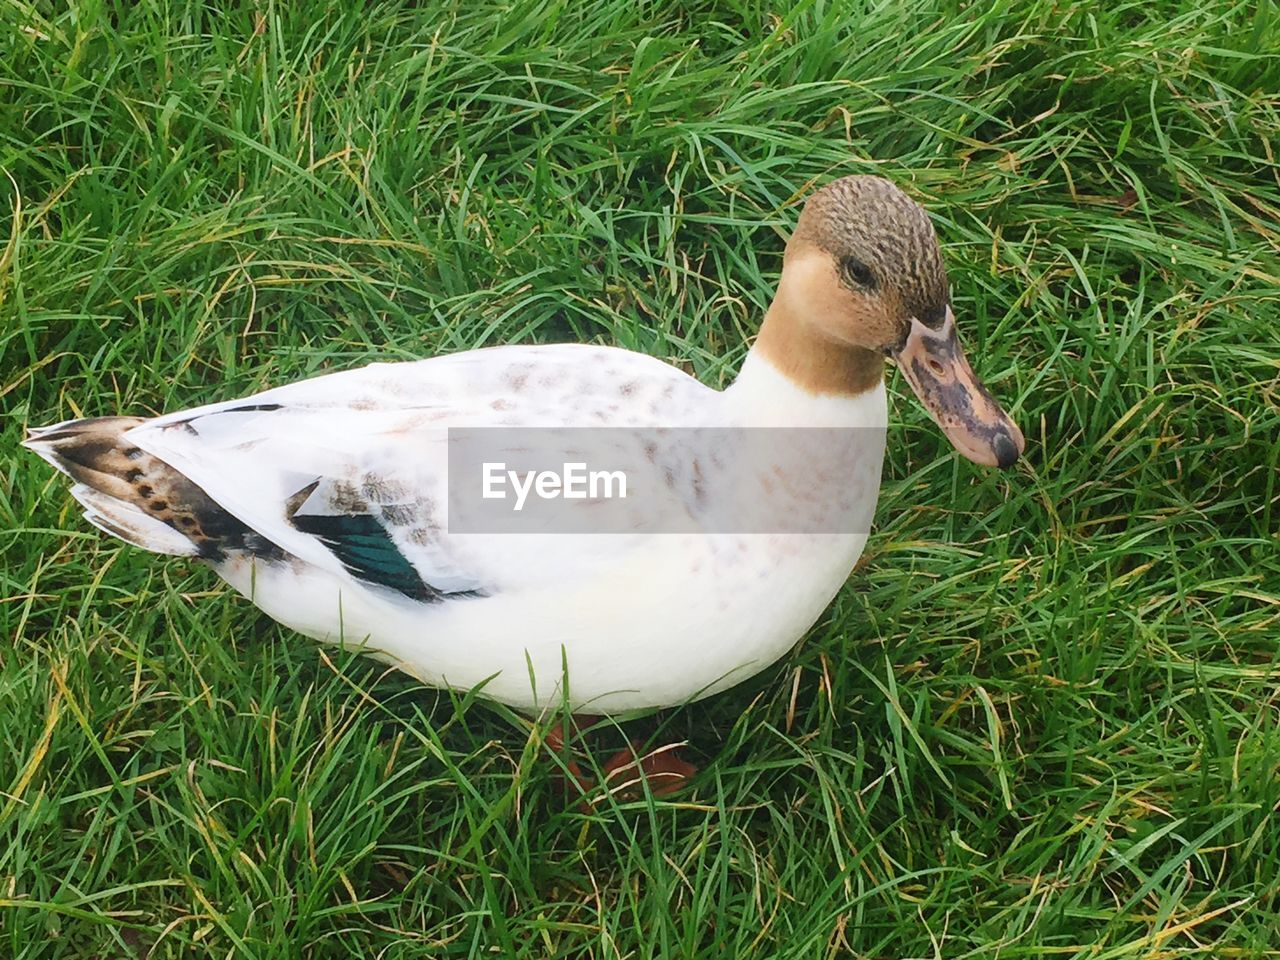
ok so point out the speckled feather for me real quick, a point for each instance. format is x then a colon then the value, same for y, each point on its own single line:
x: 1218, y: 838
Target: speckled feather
x: 286, y: 464
x: 872, y: 219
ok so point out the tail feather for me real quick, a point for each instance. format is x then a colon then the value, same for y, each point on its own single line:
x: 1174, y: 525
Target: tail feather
x: 134, y: 495
x: 92, y: 452
x: 132, y: 525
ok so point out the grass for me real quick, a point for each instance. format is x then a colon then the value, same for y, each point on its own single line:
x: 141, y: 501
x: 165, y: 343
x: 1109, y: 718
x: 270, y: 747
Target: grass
x: 1042, y: 721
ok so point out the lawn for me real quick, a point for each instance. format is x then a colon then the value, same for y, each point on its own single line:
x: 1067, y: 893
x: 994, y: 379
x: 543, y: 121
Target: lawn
x: 1041, y: 721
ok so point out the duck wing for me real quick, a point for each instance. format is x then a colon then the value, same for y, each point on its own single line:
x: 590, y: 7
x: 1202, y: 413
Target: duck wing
x: 349, y: 471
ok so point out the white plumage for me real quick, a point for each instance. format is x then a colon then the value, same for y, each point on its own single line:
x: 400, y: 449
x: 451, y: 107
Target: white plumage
x: 326, y: 502
x: 633, y: 620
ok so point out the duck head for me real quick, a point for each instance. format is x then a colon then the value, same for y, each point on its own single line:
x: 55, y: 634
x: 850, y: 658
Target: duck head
x: 862, y: 280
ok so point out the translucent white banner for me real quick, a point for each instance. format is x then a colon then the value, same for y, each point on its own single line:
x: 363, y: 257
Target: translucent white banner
x: 660, y: 480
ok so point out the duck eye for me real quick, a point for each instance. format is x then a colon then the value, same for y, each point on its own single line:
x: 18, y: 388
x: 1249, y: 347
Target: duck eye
x: 857, y: 273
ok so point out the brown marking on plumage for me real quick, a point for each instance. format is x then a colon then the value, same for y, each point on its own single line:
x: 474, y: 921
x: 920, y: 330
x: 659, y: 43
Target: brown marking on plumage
x: 96, y: 453
x: 826, y: 331
x: 399, y: 514
x: 873, y: 220
x: 422, y: 536
x: 379, y: 489
x: 699, y: 489
x: 296, y: 500
x: 345, y: 498
x: 91, y: 454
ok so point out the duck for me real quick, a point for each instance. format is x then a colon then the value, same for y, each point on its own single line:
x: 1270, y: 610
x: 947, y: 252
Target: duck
x: 375, y: 507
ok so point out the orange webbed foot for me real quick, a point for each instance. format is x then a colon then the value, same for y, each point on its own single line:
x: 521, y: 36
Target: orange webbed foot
x: 625, y: 773
x: 665, y: 771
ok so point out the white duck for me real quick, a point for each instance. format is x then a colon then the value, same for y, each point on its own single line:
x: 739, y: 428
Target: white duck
x: 325, y: 501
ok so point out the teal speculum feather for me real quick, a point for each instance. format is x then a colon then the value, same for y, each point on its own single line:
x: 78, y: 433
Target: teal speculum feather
x: 364, y: 547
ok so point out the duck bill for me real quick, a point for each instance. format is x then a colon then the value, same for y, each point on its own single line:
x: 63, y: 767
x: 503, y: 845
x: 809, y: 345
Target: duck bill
x: 939, y: 373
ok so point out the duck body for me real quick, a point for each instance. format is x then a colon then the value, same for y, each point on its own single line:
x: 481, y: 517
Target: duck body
x: 610, y: 622
x: 329, y: 504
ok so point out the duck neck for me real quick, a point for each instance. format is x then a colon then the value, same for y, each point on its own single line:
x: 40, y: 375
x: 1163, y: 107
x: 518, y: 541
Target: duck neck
x: 794, y: 376
x: 812, y: 360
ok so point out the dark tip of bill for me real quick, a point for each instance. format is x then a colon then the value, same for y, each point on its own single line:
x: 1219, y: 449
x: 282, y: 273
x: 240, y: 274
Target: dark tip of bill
x: 1005, y: 449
